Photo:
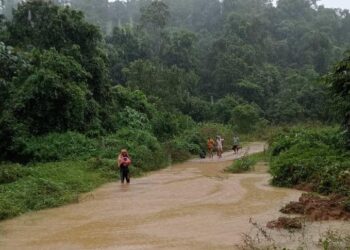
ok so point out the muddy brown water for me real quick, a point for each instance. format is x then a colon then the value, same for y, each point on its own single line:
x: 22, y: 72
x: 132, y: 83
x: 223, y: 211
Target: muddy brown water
x: 194, y: 205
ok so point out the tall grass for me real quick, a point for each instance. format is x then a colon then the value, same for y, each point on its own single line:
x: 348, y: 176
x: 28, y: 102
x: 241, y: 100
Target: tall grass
x: 48, y: 185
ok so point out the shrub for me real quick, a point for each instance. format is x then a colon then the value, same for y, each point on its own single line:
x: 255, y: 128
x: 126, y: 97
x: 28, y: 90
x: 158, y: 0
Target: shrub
x: 245, y: 118
x: 132, y: 119
x: 144, y: 148
x: 166, y: 125
x: 312, y: 156
x: 244, y: 164
x: 8, y: 208
x: 56, y: 147
x: 42, y: 193
x: 179, y: 149
x: 49, y: 185
x: 11, y: 173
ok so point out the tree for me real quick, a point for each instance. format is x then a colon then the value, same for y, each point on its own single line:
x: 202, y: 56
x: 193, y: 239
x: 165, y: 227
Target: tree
x: 180, y: 49
x: 11, y: 64
x: 245, y: 118
x: 44, y: 25
x: 126, y: 46
x: 154, y: 18
x: 51, y: 95
x: 339, y: 80
x: 172, y: 86
x: 96, y: 11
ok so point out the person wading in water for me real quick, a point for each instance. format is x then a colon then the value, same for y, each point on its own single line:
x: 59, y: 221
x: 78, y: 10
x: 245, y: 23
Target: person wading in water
x: 210, y: 145
x: 124, y: 162
x: 236, y: 145
x: 219, y: 146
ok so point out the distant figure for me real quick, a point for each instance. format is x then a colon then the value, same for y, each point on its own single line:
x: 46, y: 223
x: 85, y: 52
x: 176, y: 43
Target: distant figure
x: 236, y: 145
x: 210, y: 145
x: 202, y: 154
x: 219, y: 145
x: 124, y: 162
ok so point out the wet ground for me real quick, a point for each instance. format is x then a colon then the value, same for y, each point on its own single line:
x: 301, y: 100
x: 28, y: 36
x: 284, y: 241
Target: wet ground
x: 194, y: 205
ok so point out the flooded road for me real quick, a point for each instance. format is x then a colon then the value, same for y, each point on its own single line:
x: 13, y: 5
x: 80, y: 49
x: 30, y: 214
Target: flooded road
x: 194, y: 205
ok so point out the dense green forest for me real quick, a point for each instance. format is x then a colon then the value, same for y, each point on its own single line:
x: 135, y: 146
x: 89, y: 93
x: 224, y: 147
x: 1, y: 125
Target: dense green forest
x: 79, y: 80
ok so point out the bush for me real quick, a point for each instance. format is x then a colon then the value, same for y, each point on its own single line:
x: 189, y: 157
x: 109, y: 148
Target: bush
x: 49, y: 185
x: 166, y: 125
x: 246, y: 163
x: 57, y: 147
x: 312, y: 156
x: 179, y: 149
x: 11, y: 173
x: 245, y: 118
x: 145, y: 150
x: 132, y: 119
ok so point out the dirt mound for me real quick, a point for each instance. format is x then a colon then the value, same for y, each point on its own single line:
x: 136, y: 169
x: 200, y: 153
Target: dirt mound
x: 318, y: 208
x: 306, y: 187
x: 286, y: 223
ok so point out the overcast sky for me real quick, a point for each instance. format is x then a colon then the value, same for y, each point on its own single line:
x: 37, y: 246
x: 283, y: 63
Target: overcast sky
x: 343, y: 4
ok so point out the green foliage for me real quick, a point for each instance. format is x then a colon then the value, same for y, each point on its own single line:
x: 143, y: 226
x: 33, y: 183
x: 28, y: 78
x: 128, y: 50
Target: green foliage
x: 241, y: 165
x: 180, y: 50
x: 52, y: 94
x: 339, y: 79
x: 178, y: 149
x: 224, y: 107
x: 48, y: 185
x: 154, y: 15
x: 137, y: 100
x: 258, y: 63
x: 43, y: 25
x: 11, y: 173
x: 59, y: 147
x: 201, y: 110
x: 214, y: 129
x: 133, y: 119
x: 171, y: 85
x: 189, y: 142
x: 126, y: 46
x: 245, y: 118
x: 166, y: 125
x: 143, y: 147
x: 312, y: 156
x: 247, y: 163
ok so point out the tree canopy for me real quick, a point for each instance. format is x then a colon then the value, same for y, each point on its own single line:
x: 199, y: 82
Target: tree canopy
x: 93, y: 66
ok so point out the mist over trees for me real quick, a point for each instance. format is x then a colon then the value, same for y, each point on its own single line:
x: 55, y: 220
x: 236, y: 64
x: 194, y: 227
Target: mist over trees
x: 95, y: 66
x: 268, y: 57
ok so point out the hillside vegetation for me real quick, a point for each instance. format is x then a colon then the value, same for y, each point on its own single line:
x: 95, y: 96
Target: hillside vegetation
x: 79, y: 83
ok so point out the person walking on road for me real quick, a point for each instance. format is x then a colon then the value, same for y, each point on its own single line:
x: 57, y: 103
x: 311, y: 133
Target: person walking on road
x: 236, y: 145
x: 219, y: 146
x: 210, y: 145
x: 124, y: 162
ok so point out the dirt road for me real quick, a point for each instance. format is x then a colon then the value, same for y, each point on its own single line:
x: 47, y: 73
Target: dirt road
x: 194, y: 205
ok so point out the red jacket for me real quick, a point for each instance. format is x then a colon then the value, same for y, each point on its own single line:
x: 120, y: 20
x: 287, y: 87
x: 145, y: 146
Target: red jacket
x: 124, y: 161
